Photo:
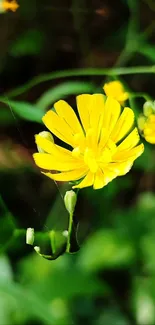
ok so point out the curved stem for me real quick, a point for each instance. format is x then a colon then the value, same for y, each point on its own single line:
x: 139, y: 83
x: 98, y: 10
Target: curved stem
x: 79, y: 73
x: 141, y: 94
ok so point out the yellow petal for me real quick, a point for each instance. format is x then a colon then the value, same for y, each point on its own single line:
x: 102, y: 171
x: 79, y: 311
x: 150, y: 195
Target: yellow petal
x: 103, y: 177
x: 121, y: 168
x: 123, y: 125
x: 116, y: 90
x: 50, y: 147
x: 123, y: 97
x: 84, y: 105
x: 149, y: 131
x: 130, y: 141
x: 150, y: 139
x: 98, y: 103
x: 99, y: 180
x: 87, y: 181
x: 69, y: 176
x: 111, y: 114
x: 128, y: 154
x: 68, y: 115
x: 58, y: 127
x: 152, y: 118
x: 47, y: 161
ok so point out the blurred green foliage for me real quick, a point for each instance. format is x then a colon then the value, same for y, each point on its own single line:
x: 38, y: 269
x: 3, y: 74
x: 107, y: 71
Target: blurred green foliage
x: 52, y: 51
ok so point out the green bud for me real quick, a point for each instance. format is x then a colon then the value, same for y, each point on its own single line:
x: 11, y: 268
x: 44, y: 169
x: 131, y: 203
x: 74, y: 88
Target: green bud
x: 70, y: 199
x: 30, y: 236
x: 65, y: 233
x: 148, y: 108
x: 46, y: 135
x: 141, y: 122
x: 37, y: 249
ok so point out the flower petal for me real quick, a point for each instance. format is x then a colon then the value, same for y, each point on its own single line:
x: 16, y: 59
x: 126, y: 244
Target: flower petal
x: 121, y: 156
x: 150, y: 139
x: 130, y: 141
x: 90, y: 108
x: 121, y: 168
x: 98, y: 107
x: 84, y: 105
x: 72, y: 175
x: 50, y: 147
x: 66, y: 112
x: 47, y: 161
x: 58, y: 127
x: 87, y: 181
x: 111, y: 114
x: 116, y: 90
x: 103, y: 177
x: 123, y: 125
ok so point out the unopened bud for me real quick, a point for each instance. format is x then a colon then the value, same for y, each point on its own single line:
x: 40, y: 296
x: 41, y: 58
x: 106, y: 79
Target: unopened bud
x: 141, y: 122
x: 46, y: 135
x: 65, y: 233
x: 30, y: 236
x: 70, y: 199
x: 37, y: 249
x: 148, y: 108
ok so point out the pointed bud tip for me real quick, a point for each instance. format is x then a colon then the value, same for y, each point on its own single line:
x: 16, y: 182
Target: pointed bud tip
x: 37, y: 249
x: 70, y: 200
x: 30, y: 236
x: 46, y: 135
x: 148, y: 108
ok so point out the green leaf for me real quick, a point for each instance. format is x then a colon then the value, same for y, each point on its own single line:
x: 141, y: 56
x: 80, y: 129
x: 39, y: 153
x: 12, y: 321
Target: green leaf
x: 104, y: 249
x: 148, y: 51
x: 26, y: 111
x: 5, y: 269
x: 6, y: 303
x: 31, y: 303
x: 61, y: 91
x: 59, y: 279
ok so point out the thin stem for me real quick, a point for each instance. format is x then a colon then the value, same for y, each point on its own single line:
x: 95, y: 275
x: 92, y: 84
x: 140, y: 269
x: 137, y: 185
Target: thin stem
x: 143, y: 95
x: 69, y: 231
x: 78, y: 73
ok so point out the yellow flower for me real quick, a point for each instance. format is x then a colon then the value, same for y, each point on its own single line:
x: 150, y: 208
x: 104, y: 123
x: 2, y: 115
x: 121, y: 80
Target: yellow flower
x: 116, y: 90
x: 146, y: 122
x: 7, y: 5
x: 97, y: 155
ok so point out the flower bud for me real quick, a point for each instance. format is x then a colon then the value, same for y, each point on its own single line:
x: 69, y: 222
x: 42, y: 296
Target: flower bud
x: 148, y: 108
x: 30, y: 236
x: 46, y: 135
x: 37, y: 249
x: 65, y: 233
x: 115, y: 89
x: 70, y: 200
x: 141, y: 122
x: 6, y: 5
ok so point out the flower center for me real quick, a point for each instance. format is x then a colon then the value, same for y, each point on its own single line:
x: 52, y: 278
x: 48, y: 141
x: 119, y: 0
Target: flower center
x: 93, y: 154
x: 94, y: 159
x: 90, y: 160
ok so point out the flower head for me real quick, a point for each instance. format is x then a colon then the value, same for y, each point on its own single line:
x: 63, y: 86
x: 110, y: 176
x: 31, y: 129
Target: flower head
x: 146, y: 122
x: 98, y: 151
x: 7, y: 5
x: 116, y: 90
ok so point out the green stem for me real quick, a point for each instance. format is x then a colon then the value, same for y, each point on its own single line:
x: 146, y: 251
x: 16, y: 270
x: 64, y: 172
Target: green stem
x: 78, y: 73
x: 69, y: 231
x: 143, y: 95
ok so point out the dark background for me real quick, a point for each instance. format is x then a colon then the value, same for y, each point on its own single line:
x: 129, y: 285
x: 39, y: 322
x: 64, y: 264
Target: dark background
x: 110, y: 280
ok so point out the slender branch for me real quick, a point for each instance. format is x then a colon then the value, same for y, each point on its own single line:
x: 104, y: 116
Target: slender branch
x: 79, y: 73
